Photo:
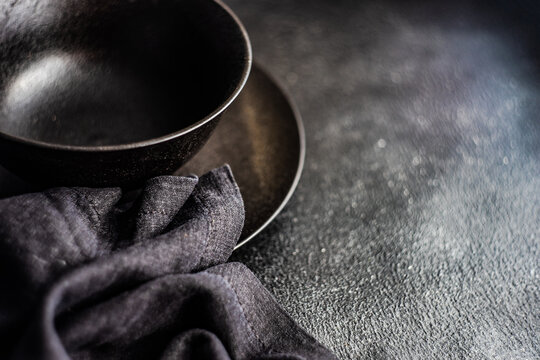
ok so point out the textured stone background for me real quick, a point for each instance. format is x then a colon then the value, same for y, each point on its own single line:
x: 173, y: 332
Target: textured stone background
x: 414, y: 232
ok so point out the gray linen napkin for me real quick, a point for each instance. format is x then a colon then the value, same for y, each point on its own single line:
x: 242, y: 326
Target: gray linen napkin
x: 87, y: 274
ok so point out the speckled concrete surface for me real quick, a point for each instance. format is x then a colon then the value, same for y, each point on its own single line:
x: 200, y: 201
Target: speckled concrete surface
x: 414, y: 232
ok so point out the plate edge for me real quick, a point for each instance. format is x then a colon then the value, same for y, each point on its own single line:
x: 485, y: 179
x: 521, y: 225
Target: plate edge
x: 301, y: 157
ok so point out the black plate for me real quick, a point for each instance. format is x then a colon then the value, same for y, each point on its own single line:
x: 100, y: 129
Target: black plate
x: 261, y: 137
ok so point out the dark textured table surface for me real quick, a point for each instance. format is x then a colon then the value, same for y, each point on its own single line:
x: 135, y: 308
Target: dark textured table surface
x: 414, y: 232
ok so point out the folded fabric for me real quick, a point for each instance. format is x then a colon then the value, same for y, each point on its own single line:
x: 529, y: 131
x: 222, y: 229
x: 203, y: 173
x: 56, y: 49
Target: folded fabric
x: 98, y: 274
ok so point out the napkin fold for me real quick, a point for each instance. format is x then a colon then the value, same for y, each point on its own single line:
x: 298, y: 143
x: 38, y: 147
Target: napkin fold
x: 99, y: 274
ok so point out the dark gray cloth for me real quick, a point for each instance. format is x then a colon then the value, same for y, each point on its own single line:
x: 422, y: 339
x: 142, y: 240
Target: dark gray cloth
x: 89, y: 274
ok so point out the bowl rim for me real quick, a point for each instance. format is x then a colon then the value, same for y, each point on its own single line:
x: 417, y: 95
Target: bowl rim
x: 160, y: 139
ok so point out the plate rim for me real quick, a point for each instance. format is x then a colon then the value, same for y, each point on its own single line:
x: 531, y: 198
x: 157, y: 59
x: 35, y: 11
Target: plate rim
x: 301, y: 156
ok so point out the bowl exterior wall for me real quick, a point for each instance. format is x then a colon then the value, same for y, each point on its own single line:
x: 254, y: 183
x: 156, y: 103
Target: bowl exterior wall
x: 126, y: 167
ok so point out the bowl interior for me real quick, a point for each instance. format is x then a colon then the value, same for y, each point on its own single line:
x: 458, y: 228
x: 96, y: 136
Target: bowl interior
x: 115, y: 72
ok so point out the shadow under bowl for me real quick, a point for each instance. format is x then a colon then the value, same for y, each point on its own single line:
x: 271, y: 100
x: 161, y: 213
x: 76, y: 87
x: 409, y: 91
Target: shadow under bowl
x: 109, y: 93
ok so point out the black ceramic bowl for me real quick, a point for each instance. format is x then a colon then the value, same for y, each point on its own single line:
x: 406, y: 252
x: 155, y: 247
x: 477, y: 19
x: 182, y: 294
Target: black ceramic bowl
x: 112, y: 92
